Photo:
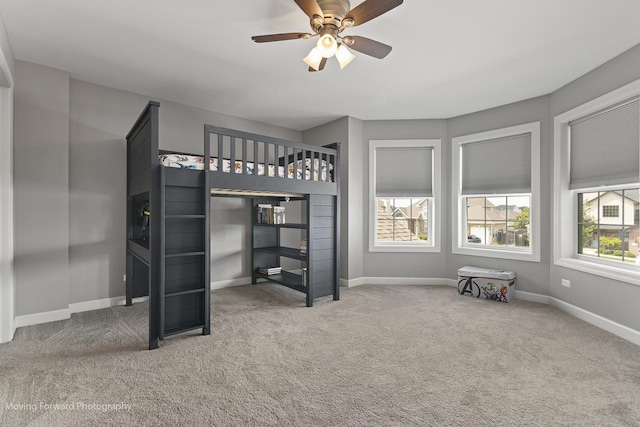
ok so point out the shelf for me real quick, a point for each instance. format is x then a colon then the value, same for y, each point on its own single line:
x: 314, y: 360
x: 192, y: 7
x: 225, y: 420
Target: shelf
x: 187, y: 292
x: 282, y: 251
x: 292, y: 225
x: 290, y: 280
x: 312, y: 219
x: 184, y: 216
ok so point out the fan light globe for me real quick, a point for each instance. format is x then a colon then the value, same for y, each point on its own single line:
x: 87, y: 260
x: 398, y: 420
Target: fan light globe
x: 327, y: 46
x: 313, y: 59
x: 343, y: 56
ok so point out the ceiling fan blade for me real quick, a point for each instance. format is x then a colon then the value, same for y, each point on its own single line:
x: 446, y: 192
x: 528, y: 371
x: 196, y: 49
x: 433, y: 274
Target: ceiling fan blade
x: 280, y: 37
x: 368, y: 46
x: 321, y: 66
x: 310, y: 7
x: 369, y: 9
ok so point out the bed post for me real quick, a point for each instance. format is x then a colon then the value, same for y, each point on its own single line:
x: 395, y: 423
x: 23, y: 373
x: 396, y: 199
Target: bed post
x: 336, y: 179
x: 155, y: 231
x: 206, y: 330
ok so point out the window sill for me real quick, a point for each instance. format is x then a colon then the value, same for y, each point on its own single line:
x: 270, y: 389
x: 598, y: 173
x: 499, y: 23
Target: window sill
x: 497, y: 253
x: 628, y: 275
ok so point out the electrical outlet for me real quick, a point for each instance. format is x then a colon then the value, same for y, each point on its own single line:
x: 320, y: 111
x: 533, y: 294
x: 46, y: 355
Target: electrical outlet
x: 566, y: 283
x: 124, y: 277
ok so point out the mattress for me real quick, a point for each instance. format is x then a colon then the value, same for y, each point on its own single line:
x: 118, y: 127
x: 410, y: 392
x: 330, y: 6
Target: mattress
x: 185, y: 161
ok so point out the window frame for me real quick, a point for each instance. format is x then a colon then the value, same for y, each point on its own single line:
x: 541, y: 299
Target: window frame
x: 459, y: 202
x: 433, y: 244
x: 565, y: 201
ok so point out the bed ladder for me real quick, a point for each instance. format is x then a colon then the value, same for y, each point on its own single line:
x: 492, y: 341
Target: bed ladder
x: 184, y: 277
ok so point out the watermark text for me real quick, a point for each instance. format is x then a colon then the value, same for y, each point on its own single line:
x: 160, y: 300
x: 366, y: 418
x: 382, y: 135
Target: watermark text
x: 68, y: 406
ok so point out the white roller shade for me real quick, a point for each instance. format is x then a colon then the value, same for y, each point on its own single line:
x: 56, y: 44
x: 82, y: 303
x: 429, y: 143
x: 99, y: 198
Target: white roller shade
x: 605, y: 147
x: 404, y: 171
x: 497, y: 166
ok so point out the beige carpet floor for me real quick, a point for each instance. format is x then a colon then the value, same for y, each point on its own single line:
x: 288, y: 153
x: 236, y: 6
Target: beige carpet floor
x: 382, y: 356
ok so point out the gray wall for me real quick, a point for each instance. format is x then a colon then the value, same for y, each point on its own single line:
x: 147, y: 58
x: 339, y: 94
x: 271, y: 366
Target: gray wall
x: 98, y: 120
x: 355, y: 172
x: 387, y: 264
x: 70, y: 187
x: 183, y: 127
x: 531, y: 276
x: 41, y: 195
x: 617, y: 301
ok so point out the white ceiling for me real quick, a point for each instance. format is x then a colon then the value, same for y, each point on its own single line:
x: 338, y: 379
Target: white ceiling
x: 450, y: 57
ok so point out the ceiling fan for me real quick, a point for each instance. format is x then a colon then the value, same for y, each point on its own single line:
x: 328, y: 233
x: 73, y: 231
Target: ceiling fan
x: 328, y: 19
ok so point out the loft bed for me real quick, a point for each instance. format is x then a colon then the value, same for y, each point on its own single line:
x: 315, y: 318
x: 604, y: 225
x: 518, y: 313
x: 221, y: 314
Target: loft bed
x: 168, y: 218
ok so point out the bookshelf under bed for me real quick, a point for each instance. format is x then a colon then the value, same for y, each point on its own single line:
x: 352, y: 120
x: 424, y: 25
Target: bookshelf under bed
x: 168, y: 218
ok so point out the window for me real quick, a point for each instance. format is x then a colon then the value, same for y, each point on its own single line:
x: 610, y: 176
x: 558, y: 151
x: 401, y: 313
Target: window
x: 611, y: 211
x: 404, y: 183
x: 496, y: 176
x: 596, y: 186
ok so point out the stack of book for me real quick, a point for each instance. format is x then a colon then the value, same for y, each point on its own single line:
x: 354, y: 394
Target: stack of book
x: 303, y: 247
x: 268, y: 214
x: 270, y: 270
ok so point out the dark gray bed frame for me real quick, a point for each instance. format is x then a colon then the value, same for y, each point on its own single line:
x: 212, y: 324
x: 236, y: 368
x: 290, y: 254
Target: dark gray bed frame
x: 169, y: 261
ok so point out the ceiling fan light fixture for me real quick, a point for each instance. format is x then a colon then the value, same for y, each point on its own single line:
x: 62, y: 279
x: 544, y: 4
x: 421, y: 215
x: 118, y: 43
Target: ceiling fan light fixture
x: 328, y: 18
x: 344, y: 56
x: 313, y: 59
x: 327, y: 46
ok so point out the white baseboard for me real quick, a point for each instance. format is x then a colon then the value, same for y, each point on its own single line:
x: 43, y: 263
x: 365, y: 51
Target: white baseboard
x: 229, y: 283
x: 531, y: 297
x: 96, y: 304
x: 350, y: 283
x: 424, y: 281
x: 608, y: 325
x: 46, y: 317
x: 64, y: 314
